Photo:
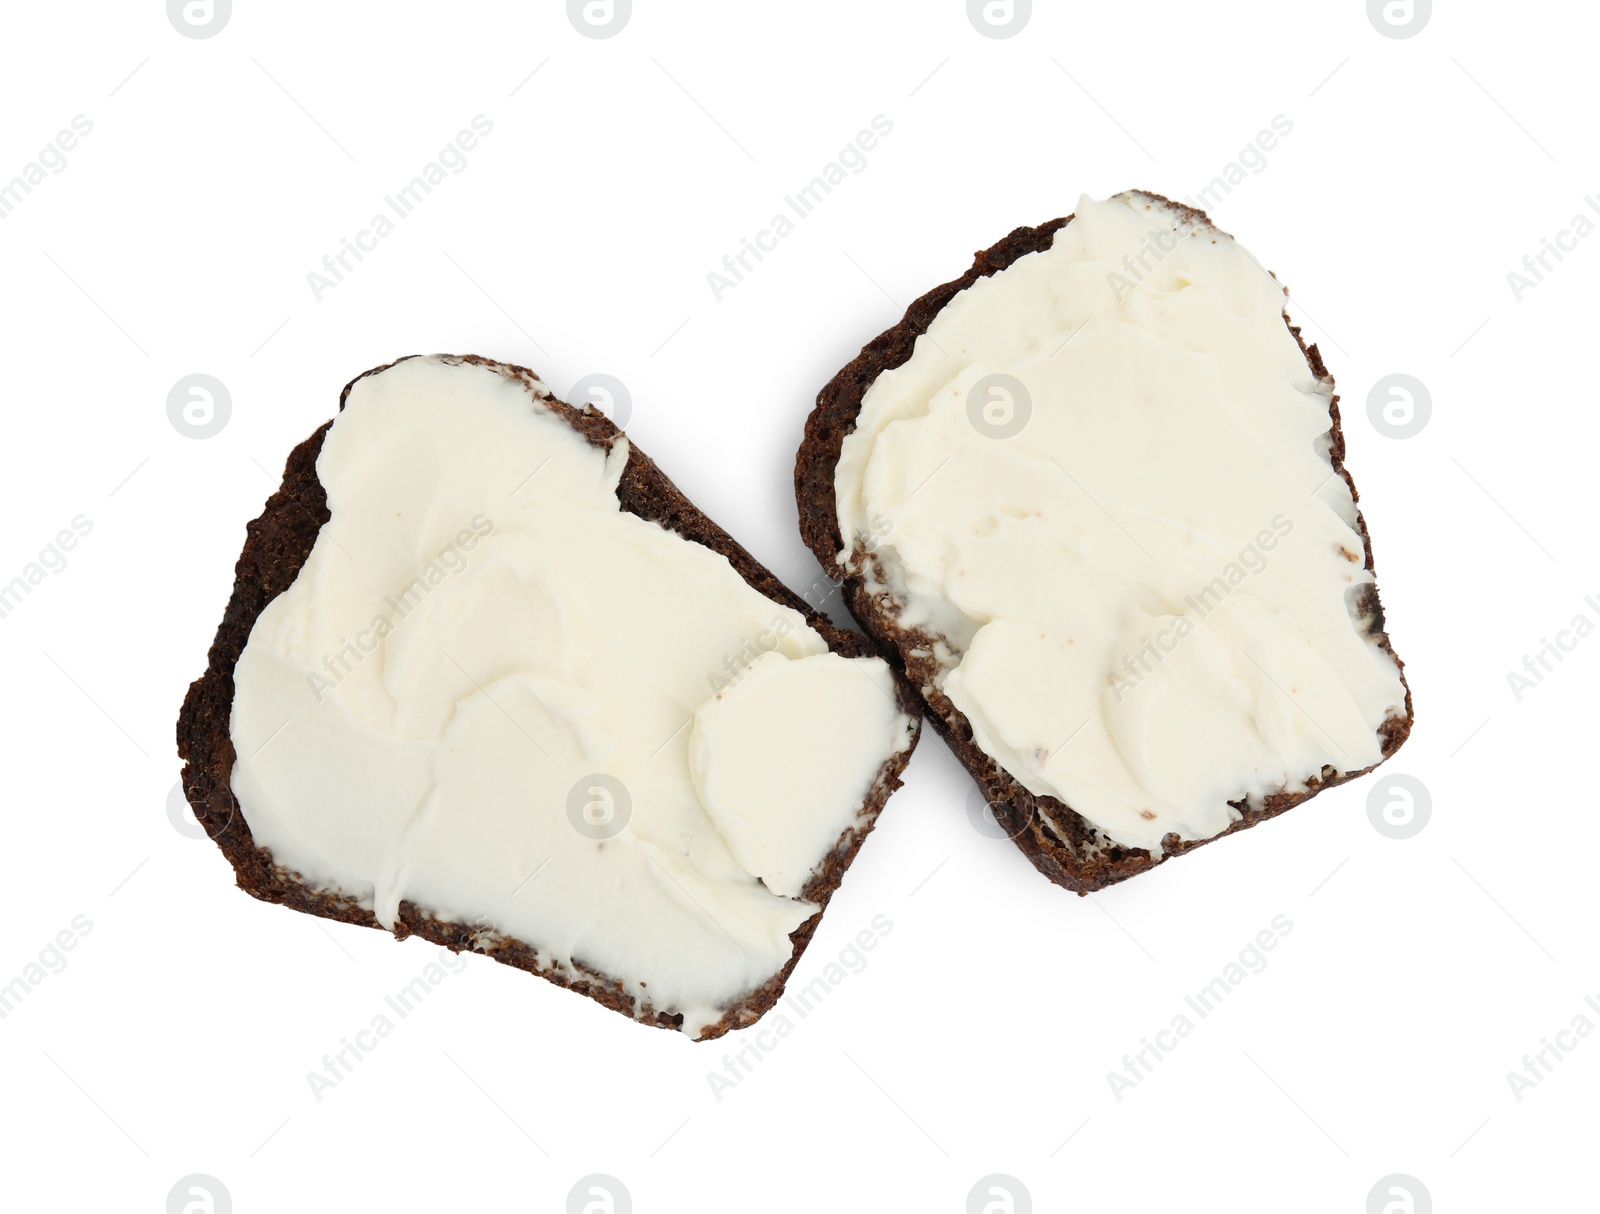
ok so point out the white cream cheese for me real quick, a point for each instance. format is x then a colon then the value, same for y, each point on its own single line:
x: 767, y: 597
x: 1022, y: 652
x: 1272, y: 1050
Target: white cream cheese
x: 767, y: 811
x: 1140, y: 568
x: 482, y: 691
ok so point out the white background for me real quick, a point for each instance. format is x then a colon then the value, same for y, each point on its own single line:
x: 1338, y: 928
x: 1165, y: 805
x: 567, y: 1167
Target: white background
x: 978, y: 1039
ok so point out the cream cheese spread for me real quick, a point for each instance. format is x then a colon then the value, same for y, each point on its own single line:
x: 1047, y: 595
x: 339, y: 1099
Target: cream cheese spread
x: 1102, y: 486
x: 495, y: 694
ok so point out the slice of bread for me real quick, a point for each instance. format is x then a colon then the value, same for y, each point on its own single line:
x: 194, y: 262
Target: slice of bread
x: 279, y: 544
x: 1062, y: 843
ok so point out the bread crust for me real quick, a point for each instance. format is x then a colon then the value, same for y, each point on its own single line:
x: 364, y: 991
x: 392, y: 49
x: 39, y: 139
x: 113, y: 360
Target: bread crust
x: 1079, y: 857
x: 277, y: 545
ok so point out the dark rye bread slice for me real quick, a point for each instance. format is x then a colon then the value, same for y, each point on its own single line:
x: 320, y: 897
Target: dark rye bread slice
x: 1079, y: 857
x: 276, y: 547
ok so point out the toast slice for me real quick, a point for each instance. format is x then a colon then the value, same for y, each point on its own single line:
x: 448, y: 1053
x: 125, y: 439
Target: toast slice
x: 1100, y: 475
x: 422, y: 769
